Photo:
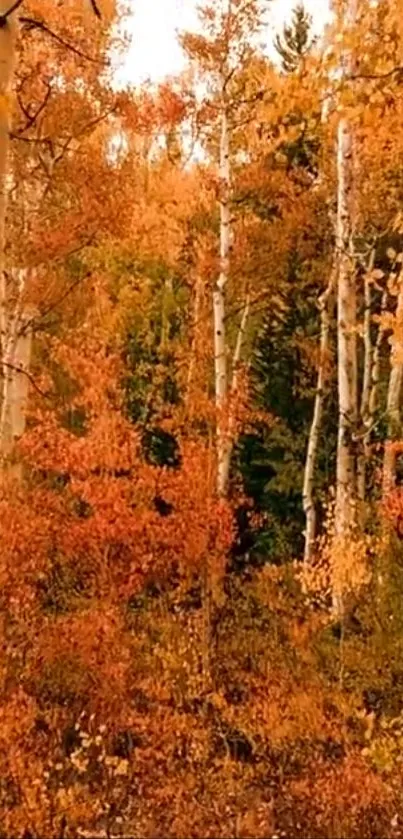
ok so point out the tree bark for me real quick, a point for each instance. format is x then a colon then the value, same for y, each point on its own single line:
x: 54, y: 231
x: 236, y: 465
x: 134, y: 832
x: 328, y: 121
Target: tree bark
x: 8, y: 38
x: 239, y: 345
x: 229, y: 431
x: 9, y: 323
x: 220, y: 348
x: 376, y: 364
x: 394, y: 397
x: 308, y: 499
x: 15, y: 365
x: 194, y: 341
x: 346, y: 486
x: 347, y: 338
x: 8, y: 43
x: 365, y: 413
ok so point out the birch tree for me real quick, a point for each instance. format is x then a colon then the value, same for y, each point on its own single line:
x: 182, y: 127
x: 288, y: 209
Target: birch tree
x: 16, y: 312
x: 326, y: 307
x: 222, y: 53
x: 346, y: 475
x: 394, y: 395
x: 220, y: 345
x: 366, y: 415
x: 326, y: 301
x: 8, y: 326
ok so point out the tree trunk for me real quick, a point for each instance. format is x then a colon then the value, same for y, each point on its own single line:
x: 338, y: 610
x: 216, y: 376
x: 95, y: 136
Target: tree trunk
x: 346, y: 486
x: 308, y: 500
x: 8, y: 42
x: 15, y: 364
x: 345, y: 513
x: 220, y: 349
x: 226, y: 462
x: 194, y: 341
x: 394, y: 397
x: 239, y: 345
x: 8, y: 34
x: 376, y: 364
x: 365, y: 413
x: 9, y: 324
x: 347, y: 338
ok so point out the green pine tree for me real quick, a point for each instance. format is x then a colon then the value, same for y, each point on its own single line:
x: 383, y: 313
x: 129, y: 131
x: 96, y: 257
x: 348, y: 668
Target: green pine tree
x: 271, y: 459
x: 296, y: 41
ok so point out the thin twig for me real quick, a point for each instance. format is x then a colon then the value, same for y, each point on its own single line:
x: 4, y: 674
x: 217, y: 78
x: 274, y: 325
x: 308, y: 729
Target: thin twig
x: 376, y: 76
x: 33, y: 322
x: 31, y: 118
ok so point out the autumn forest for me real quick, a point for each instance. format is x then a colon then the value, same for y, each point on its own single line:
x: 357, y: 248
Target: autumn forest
x: 201, y: 431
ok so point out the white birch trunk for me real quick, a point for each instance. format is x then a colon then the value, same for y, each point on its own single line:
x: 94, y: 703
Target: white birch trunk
x: 347, y: 338
x: 226, y: 460
x: 308, y: 500
x: 8, y: 36
x: 394, y: 397
x: 194, y: 341
x: 220, y: 348
x: 376, y: 364
x: 365, y: 413
x: 369, y: 420
x: 346, y: 320
x: 239, y: 345
x: 15, y: 365
x: 8, y: 322
x: 14, y: 407
x: 8, y: 43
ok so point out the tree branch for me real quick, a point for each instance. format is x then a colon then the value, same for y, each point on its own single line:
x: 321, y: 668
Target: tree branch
x: 18, y: 369
x: 13, y: 8
x: 34, y: 323
x: 375, y: 76
x: 17, y: 3
x: 95, y: 8
x: 31, y: 23
x: 31, y: 118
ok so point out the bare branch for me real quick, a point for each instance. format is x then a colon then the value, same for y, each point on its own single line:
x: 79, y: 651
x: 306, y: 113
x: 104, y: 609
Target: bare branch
x: 95, y: 8
x: 13, y: 8
x: 31, y: 23
x: 34, y: 322
x: 31, y: 118
x: 63, y: 147
x: 26, y: 373
x: 396, y: 71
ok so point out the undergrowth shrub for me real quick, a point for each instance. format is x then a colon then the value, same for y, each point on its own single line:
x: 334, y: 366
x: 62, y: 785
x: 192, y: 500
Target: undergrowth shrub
x: 146, y: 690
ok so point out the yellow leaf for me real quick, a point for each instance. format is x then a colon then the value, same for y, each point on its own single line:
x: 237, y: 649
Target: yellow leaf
x: 122, y: 767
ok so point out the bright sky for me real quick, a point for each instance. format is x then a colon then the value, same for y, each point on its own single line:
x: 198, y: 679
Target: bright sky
x: 154, y: 51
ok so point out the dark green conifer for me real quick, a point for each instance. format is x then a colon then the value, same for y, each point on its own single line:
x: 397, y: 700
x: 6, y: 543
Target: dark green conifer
x: 296, y: 41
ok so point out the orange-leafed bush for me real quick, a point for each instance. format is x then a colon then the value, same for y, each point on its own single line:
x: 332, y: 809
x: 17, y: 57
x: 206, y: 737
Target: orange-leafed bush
x: 144, y: 690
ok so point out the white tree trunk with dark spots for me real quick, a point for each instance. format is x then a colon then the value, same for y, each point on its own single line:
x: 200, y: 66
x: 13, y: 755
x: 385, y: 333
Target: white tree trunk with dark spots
x: 346, y: 475
x: 10, y: 314
x: 366, y: 417
x: 394, y: 397
x: 220, y: 345
x: 308, y: 498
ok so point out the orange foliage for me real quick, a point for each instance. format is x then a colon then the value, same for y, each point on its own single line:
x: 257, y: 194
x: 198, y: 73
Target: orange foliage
x: 146, y: 690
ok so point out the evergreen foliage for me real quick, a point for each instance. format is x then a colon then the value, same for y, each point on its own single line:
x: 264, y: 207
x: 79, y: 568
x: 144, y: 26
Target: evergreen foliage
x: 296, y: 40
